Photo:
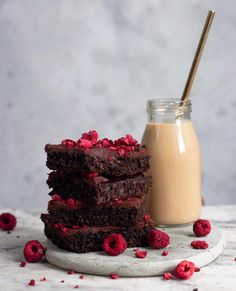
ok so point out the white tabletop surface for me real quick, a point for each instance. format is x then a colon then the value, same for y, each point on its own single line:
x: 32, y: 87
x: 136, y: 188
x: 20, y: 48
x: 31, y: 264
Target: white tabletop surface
x: 219, y: 275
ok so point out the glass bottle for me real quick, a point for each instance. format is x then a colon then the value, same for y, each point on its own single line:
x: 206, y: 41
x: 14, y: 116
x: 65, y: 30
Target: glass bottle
x: 175, y: 196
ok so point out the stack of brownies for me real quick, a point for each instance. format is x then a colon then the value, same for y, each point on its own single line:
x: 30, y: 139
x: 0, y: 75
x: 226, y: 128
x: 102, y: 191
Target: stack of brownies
x: 98, y: 188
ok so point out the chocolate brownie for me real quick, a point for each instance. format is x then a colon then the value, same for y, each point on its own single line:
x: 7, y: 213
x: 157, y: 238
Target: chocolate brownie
x: 102, y: 160
x: 117, y: 213
x: 90, y: 239
x: 98, y: 189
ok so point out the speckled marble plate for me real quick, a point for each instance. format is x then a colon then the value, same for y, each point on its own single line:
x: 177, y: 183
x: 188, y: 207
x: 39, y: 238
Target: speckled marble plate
x: 154, y: 263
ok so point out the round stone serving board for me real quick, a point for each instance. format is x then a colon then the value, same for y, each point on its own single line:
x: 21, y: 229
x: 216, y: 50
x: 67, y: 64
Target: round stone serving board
x: 126, y: 264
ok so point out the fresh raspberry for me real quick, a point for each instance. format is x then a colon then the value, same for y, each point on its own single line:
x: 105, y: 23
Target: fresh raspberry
x: 114, y: 244
x: 199, y: 244
x: 71, y: 202
x: 43, y: 279
x: 184, y: 270
x: 88, y: 139
x: 31, y: 282
x: 114, y: 276
x: 140, y: 254
x: 158, y: 239
x: 202, y: 227
x: 33, y: 251
x: 167, y: 276
x: 165, y: 253
x: 69, y: 143
x: 7, y: 221
x: 22, y: 264
x: 81, y: 276
x: 70, y: 272
x: 76, y: 286
x: 56, y: 197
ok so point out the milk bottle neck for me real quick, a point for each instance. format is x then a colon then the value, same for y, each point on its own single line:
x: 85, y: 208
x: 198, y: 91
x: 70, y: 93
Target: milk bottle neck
x: 168, y: 111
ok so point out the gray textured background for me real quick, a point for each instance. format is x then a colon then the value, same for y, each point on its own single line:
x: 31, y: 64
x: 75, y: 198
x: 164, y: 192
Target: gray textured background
x: 70, y: 66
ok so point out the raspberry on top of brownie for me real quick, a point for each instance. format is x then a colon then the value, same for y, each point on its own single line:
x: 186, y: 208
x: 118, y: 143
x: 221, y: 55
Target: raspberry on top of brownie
x: 123, y: 156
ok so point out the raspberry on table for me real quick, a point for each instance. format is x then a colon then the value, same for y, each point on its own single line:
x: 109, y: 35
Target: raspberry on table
x: 158, y: 239
x: 165, y: 253
x: 140, y: 254
x: 114, y: 244
x: 184, y: 270
x: 114, y: 276
x: 201, y: 227
x: 7, y: 221
x: 22, y: 264
x: 31, y: 282
x: 33, y: 251
x: 199, y: 244
x: 167, y: 276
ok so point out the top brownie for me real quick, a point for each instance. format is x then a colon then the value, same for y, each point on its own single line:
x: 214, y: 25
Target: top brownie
x: 90, y: 155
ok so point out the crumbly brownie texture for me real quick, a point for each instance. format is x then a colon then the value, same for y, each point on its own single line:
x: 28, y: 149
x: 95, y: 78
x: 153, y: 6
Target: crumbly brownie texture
x: 98, y: 189
x: 116, y: 213
x: 90, y: 239
x: 102, y: 160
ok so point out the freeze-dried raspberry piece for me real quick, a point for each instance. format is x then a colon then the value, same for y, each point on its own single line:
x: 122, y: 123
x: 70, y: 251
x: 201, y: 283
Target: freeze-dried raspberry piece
x: 199, y: 244
x: 91, y: 175
x: 43, y: 279
x: 69, y: 143
x: 114, y: 276
x: 56, y: 197
x: 81, y: 276
x: 167, y: 276
x: 202, y: 227
x: 165, y: 253
x: 33, y: 251
x: 140, y: 254
x: 7, y: 221
x: 76, y: 286
x: 31, y: 282
x: 58, y: 225
x: 158, y: 239
x: 197, y: 269
x: 114, y: 244
x: 88, y: 139
x: 184, y: 270
x: 22, y: 264
x: 147, y: 217
x: 71, y: 202
x: 104, y: 143
x: 71, y: 272
x: 64, y: 231
x: 127, y: 140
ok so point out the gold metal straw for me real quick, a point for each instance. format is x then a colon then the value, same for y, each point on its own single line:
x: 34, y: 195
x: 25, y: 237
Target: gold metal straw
x: 197, y: 56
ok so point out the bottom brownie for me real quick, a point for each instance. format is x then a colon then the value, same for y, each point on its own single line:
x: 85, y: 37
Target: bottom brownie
x: 90, y: 239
